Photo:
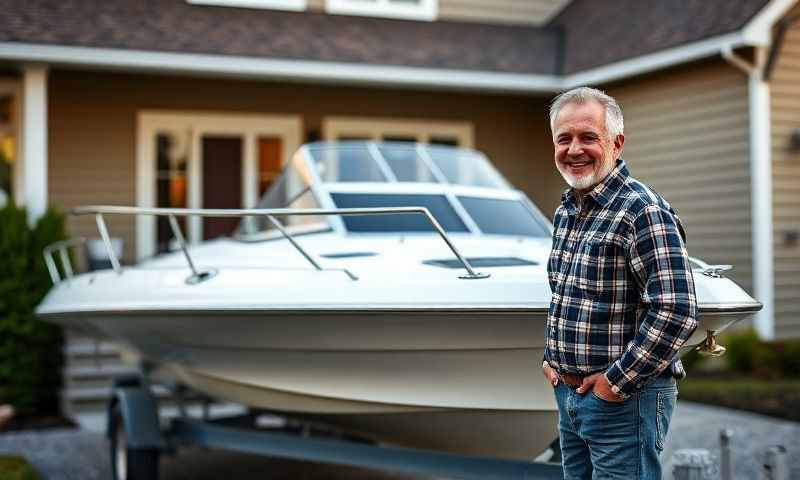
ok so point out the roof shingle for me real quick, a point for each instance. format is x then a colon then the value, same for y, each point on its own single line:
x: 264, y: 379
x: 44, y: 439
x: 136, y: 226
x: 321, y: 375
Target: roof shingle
x: 598, y: 33
x: 176, y: 26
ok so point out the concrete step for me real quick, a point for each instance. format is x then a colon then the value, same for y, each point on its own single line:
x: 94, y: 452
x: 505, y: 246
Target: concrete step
x: 89, y: 348
x: 102, y: 370
x: 107, y: 362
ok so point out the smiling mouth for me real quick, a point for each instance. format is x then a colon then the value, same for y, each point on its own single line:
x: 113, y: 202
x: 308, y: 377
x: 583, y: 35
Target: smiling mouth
x: 577, y: 166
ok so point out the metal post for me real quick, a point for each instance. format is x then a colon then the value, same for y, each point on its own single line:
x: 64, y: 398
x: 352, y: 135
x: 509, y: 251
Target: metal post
x: 693, y: 464
x: 726, y: 467
x: 51, y: 267
x: 176, y: 230
x: 776, y: 464
x: 470, y: 272
x: 62, y: 253
x: 286, y: 235
x: 101, y: 226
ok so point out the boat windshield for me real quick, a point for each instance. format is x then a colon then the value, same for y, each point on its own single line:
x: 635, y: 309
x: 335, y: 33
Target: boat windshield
x: 292, y: 189
x: 459, y: 187
x: 404, y: 162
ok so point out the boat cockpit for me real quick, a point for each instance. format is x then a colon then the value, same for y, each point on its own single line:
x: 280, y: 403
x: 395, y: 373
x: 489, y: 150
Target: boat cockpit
x: 459, y: 186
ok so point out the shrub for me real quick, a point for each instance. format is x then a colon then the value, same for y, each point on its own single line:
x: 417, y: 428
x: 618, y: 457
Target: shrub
x: 742, y: 348
x: 16, y: 468
x: 31, y: 355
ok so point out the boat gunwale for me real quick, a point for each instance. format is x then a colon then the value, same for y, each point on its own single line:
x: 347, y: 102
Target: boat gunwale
x: 717, y: 308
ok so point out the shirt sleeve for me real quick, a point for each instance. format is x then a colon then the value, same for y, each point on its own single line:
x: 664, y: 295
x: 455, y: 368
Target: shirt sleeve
x: 660, y: 265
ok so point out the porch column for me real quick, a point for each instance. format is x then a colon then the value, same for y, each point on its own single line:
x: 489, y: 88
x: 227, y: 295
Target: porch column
x: 761, y: 209
x: 34, y: 140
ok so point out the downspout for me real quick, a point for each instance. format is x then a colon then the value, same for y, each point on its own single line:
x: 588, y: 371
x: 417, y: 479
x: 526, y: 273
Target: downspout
x: 761, y: 187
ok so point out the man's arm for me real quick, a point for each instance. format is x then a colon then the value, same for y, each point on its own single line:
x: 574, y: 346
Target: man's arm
x: 659, y: 262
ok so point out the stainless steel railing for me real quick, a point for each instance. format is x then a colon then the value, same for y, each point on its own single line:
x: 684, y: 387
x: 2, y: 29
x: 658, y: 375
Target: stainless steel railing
x: 197, y: 276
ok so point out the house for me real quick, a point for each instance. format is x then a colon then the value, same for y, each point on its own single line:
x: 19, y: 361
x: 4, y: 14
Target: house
x: 199, y: 102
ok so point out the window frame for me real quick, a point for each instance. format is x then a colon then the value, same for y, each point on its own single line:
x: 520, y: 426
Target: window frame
x: 427, y: 10
x: 289, y: 5
x: 376, y: 128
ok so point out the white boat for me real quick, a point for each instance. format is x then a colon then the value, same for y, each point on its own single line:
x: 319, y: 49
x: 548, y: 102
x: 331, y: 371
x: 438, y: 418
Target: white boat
x: 410, y: 332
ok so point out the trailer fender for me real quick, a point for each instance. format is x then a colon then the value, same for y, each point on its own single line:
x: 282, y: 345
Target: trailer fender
x: 138, y: 408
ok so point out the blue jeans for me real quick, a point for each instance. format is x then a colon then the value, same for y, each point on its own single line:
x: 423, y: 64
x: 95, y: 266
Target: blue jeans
x: 615, y: 440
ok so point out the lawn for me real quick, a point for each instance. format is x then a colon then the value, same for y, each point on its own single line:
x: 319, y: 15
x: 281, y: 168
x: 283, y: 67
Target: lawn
x: 777, y: 398
x: 16, y: 468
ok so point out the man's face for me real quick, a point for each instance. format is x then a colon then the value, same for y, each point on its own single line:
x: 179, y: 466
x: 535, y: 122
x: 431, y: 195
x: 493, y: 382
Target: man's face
x: 584, y: 153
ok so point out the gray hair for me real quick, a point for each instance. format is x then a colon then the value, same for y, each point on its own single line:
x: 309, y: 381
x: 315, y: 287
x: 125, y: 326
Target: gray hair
x: 614, y: 122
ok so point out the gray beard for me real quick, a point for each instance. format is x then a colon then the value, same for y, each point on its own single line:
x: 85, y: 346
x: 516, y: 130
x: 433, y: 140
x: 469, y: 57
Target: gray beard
x: 589, y: 181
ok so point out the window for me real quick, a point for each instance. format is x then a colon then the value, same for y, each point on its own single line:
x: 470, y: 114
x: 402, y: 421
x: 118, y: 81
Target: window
x: 437, y: 204
x: 293, y: 5
x: 503, y: 217
x: 172, y: 155
x: 8, y: 147
x: 410, y: 9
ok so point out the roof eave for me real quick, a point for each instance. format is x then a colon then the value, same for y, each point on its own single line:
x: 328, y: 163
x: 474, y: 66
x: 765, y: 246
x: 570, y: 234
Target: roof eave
x: 757, y: 32
x: 278, y: 69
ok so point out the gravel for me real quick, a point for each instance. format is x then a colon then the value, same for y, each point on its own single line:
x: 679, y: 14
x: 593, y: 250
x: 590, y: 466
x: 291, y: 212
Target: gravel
x: 75, y: 454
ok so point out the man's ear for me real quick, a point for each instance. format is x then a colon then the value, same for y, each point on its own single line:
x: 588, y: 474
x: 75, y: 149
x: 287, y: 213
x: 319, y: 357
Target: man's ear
x: 619, y: 141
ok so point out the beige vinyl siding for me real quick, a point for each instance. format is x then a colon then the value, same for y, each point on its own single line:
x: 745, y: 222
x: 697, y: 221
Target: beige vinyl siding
x: 92, y: 129
x: 531, y: 12
x: 785, y: 111
x: 687, y: 136
x: 85, y: 165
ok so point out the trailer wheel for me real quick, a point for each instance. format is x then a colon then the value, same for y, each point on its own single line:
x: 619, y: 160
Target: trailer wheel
x: 130, y: 463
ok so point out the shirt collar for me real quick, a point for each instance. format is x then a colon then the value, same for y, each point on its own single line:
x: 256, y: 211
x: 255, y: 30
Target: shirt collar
x: 604, y: 192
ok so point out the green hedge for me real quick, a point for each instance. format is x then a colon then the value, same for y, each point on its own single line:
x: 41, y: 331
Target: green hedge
x: 749, y: 355
x: 31, y: 355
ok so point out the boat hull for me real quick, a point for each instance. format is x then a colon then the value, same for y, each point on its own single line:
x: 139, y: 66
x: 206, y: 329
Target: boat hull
x: 457, y: 380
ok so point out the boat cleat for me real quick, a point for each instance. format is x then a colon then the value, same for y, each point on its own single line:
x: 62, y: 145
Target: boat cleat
x: 710, y: 348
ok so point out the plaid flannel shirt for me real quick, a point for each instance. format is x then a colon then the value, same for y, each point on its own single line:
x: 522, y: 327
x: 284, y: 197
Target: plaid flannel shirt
x: 623, y: 295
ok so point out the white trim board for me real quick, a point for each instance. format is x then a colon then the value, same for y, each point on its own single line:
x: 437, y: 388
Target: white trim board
x: 290, y: 5
x: 424, y: 10
x: 360, y: 74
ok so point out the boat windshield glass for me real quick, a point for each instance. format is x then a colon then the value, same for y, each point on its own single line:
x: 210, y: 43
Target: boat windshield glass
x: 438, y: 205
x: 349, y: 163
x: 503, y: 217
x: 292, y: 189
x: 404, y: 162
x: 465, y: 167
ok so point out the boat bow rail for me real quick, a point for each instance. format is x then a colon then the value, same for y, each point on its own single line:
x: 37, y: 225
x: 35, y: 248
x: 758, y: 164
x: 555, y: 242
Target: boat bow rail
x: 199, y: 276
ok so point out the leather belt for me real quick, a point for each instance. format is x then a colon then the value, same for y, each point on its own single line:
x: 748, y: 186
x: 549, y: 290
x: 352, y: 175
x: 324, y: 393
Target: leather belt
x: 572, y: 380
x: 575, y: 380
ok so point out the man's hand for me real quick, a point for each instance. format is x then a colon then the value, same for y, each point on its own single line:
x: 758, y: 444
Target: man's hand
x: 549, y: 374
x: 598, y: 384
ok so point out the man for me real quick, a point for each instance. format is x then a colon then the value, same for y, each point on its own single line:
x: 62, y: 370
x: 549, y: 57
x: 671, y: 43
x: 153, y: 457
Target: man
x: 623, y: 299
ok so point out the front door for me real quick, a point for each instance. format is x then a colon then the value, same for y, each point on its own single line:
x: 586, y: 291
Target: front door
x: 222, y: 182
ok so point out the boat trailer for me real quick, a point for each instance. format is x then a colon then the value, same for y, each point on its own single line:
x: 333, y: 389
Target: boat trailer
x: 137, y: 440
